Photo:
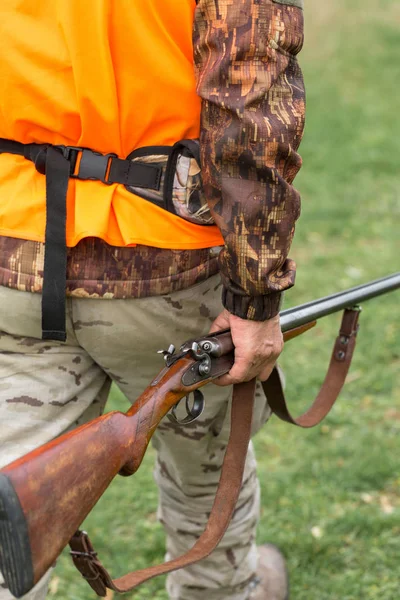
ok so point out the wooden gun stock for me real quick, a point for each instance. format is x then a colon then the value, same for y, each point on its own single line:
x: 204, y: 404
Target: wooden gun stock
x: 46, y: 495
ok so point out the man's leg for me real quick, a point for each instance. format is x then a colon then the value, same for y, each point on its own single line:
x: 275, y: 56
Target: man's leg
x: 123, y: 337
x: 45, y: 387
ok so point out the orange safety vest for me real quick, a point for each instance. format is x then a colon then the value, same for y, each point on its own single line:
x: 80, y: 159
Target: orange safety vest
x: 109, y: 76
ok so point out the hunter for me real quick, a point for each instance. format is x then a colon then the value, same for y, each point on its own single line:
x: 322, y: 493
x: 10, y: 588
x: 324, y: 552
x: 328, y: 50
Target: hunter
x: 147, y: 156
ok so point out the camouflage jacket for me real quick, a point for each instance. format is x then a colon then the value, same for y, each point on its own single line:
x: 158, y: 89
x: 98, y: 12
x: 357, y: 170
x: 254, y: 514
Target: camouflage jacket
x: 251, y: 125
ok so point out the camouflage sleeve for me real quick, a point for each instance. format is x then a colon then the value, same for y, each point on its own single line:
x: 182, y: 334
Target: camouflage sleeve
x: 252, y: 122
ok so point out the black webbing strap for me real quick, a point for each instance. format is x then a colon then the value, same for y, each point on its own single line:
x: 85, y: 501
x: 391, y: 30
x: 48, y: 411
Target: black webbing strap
x: 59, y: 164
x: 55, y: 256
x: 134, y: 174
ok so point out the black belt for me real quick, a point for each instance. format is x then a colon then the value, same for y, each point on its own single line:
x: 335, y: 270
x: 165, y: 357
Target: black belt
x: 59, y: 164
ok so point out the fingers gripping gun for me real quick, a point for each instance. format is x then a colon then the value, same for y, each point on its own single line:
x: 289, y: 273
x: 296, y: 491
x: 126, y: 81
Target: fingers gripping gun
x: 46, y: 495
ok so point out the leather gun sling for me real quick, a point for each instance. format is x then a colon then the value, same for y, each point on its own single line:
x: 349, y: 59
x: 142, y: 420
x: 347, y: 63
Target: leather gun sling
x: 337, y: 372
x: 83, y: 554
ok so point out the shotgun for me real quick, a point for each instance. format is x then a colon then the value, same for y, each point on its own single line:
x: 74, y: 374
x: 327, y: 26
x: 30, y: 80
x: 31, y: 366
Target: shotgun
x: 46, y: 495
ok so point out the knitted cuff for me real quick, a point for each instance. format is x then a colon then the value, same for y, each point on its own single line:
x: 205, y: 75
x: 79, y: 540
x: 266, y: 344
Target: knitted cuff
x: 254, y: 308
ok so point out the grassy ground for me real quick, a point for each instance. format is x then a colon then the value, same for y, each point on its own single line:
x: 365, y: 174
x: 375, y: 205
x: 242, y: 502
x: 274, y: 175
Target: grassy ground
x: 331, y: 496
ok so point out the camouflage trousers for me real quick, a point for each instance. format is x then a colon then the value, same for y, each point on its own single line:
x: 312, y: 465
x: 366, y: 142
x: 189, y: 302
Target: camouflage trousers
x: 49, y: 387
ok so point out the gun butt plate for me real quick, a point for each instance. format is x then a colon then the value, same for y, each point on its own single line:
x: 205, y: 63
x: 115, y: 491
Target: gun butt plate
x: 15, y: 552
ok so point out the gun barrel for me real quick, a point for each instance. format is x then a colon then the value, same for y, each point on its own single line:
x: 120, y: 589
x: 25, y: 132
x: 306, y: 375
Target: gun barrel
x: 311, y: 311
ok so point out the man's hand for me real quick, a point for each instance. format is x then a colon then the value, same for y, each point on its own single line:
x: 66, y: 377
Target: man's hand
x: 257, y: 347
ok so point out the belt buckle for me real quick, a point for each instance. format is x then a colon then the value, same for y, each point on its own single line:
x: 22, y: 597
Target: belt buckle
x: 93, y: 165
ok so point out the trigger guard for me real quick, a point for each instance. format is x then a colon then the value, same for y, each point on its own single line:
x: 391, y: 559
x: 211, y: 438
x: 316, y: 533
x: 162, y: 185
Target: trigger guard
x: 193, y: 413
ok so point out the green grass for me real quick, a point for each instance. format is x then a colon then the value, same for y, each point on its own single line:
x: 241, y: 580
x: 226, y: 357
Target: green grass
x: 331, y: 496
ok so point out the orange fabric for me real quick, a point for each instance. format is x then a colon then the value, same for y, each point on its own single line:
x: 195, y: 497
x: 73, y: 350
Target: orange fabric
x: 110, y: 76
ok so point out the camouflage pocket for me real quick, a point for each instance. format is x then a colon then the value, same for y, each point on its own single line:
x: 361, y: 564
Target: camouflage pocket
x: 184, y: 193
x: 298, y: 3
